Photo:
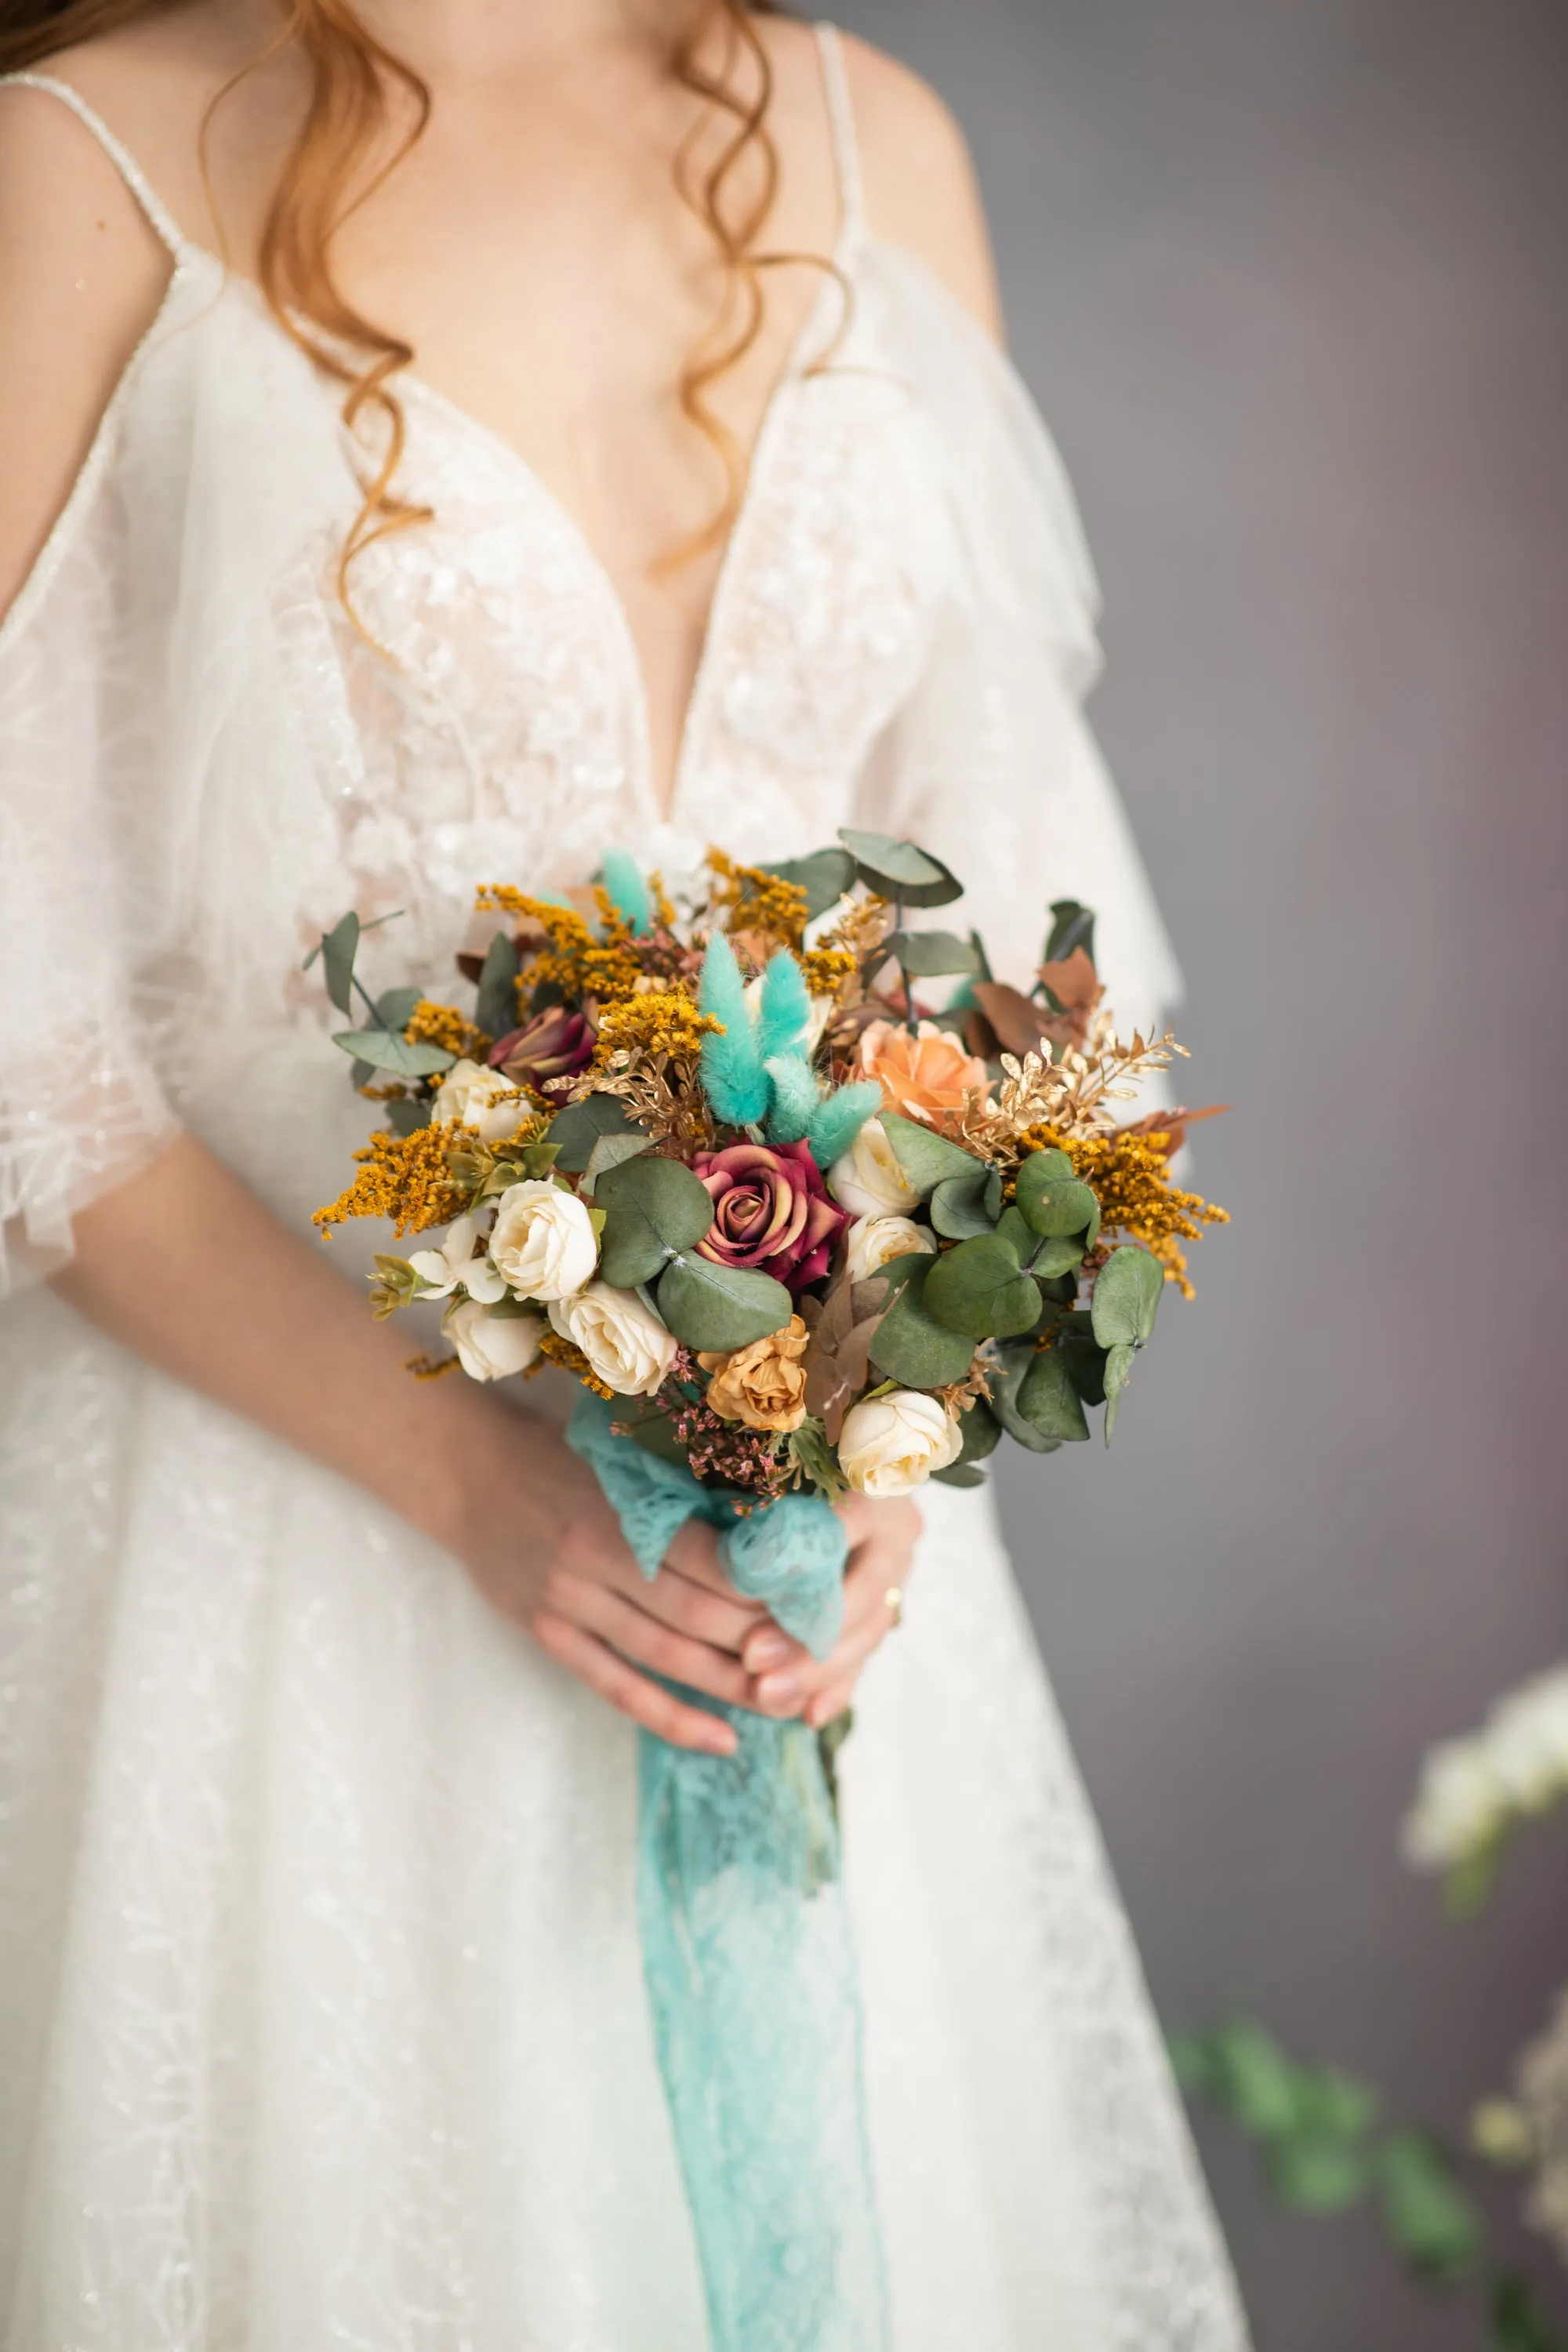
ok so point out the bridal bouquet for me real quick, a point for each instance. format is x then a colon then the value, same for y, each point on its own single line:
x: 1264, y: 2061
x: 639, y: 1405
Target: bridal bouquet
x: 795, y: 1232
x: 808, y: 1233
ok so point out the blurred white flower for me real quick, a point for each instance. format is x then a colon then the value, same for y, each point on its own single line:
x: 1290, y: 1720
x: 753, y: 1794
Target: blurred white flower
x: 491, y: 1347
x: 441, y: 1270
x: 1459, y: 1806
x: 1472, y: 1789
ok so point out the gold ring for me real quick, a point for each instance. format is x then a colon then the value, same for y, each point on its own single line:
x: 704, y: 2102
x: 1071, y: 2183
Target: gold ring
x: 893, y: 1602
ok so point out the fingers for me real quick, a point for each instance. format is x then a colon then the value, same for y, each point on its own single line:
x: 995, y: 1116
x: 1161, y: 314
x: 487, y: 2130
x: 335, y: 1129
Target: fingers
x: 690, y: 1608
x: 649, y: 1643
x: 820, y: 1690
x: 694, y: 1552
x: 631, y: 1694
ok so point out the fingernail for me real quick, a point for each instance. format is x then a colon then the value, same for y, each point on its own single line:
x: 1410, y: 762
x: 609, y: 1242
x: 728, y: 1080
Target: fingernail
x: 721, y: 1740
x: 779, y: 1690
x: 767, y: 1650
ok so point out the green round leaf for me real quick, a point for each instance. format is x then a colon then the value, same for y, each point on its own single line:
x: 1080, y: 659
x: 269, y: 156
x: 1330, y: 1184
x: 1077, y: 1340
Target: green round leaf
x: 1013, y: 1367
x: 958, y: 1206
x: 1127, y: 1298
x: 720, y: 1307
x: 1049, y: 1403
x: 652, y: 1208
x: 1061, y: 1253
x: 910, y: 1346
x: 982, y: 1432
x: 931, y: 955
x: 384, y: 1050
x: 577, y: 1127
x: 980, y: 1289
x: 1055, y: 1204
x: 896, y: 869
x: 824, y: 877
x: 1114, y: 1373
x: 926, y: 1161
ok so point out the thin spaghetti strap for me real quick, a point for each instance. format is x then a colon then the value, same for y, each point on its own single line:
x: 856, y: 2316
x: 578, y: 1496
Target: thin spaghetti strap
x: 841, y: 125
x: 124, y: 163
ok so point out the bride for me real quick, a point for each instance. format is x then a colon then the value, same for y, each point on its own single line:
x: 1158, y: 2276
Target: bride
x: 445, y: 438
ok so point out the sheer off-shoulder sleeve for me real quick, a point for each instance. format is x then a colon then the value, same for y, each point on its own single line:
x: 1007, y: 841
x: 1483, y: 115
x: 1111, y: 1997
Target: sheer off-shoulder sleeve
x: 990, y: 764
x: 134, y: 668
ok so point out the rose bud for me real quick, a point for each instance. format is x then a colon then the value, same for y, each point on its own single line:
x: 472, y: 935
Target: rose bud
x: 554, y: 1044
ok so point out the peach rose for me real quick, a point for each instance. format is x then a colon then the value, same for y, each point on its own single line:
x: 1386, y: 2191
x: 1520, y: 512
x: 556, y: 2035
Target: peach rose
x: 924, y: 1076
x: 762, y: 1385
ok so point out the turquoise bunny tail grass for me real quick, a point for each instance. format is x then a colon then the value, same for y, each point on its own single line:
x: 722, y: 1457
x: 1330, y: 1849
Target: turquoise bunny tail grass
x: 796, y: 1094
x: 623, y: 879
x: 839, y: 1118
x: 784, y: 1011
x: 747, y: 1950
x: 732, y: 1075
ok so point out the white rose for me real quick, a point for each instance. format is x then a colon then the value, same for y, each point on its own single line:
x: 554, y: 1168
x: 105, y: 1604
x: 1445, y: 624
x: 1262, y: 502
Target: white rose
x: 543, y: 1240
x: 482, y: 1098
x: 868, y: 1181
x: 892, y: 1443
x: 492, y: 1347
x: 441, y: 1270
x: 872, y: 1241
x: 625, y: 1342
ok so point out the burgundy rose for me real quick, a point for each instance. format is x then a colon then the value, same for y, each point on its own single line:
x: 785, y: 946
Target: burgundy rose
x: 553, y: 1044
x: 771, y: 1210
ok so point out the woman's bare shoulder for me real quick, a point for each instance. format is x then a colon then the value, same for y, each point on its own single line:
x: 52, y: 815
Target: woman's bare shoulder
x: 921, y: 187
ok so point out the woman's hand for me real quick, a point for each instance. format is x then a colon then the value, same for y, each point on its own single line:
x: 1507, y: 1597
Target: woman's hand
x: 790, y: 1681
x: 545, y: 1548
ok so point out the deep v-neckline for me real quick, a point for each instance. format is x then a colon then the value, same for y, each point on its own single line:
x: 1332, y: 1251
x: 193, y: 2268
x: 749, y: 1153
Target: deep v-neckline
x: 661, y: 808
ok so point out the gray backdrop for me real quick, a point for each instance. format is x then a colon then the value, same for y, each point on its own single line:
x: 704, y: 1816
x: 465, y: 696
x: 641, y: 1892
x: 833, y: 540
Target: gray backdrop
x: 1287, y: 276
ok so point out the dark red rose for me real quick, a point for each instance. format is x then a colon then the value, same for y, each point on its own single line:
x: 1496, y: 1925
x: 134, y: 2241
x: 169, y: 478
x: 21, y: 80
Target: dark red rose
x: 771, y: 1210
x: 553, y: 1044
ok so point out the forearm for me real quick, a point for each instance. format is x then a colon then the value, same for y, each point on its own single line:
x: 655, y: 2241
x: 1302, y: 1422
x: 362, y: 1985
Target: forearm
x: 186, y: 1267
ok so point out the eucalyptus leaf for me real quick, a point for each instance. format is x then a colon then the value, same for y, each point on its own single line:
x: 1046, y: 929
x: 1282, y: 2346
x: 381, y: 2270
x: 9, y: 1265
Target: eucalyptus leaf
x: 896, y: 869
x: 396, y: 1009
x: 959, y: 1474
x: 575, y: 1129
x: 1127, y: 1298
x: 1056, y: 1204
x: 496, y: 1009
x: 925, y: 1160
x: 1082, y: 1356
x: 824, y: 877
x: 1059, y: 1254
x: 1039, y: 1167
x: 1424, y: 2210
x: 1317, y: 2173
x: 931, y: 955
x: 718, y: 1306
x: 1013, y: 1367
x: 1114, y: 1375
x: 958, y: 1206
x: 653, y: 1208
x: 1072, y: 925
x: 360, y: 1074
x: 338, y: 949
x: 407, y: 1117
x: 609, y: 1152
x: 1049, y: 1403
x: 384, y: 1050
x: 910, y: 1345
x: 1011, y: 1229
x: 980, y: 1289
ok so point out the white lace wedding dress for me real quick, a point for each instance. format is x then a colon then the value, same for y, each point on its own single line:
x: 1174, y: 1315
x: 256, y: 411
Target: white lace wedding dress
x: 320, y: 2016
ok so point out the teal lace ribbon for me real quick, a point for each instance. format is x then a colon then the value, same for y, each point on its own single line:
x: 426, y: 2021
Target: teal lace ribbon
x: 747, y: 1950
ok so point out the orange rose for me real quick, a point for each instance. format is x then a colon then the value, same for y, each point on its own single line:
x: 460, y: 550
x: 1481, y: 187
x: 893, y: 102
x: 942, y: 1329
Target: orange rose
x: 924, y: 1076
x: 762, y: 1385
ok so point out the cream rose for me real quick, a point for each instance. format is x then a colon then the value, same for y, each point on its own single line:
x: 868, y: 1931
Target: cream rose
x: 868, y: 1181
x: 892, y: 1443
x: 492, y: 1347
x: 872, y: 1241
x: 626, y: 1345
x: 544, y: 1241
x: 762, y: 1385
x: 481, y: 1098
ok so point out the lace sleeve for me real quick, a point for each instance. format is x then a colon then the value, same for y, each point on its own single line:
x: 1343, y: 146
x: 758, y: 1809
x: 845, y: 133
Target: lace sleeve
x: 990, y: 764
x: 82, y: 1106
